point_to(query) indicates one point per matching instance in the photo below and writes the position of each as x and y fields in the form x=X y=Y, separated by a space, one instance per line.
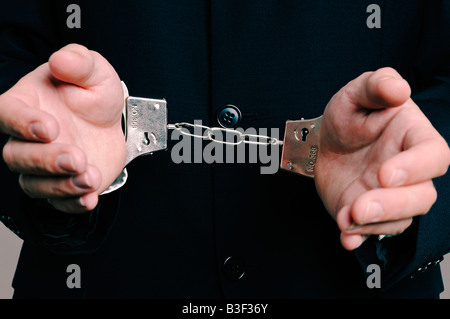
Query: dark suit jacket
x=169 y=230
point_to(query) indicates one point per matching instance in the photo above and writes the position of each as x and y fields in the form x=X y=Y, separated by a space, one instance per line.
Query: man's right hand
x=65 y=121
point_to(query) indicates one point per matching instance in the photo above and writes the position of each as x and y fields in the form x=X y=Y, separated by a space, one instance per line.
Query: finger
x=43 y=159
x=377 y=90
x=344 y=221
x=353 y=237
x=61 y=187
x=385 y=228
x=389 y=204
x=77 y=65
x=352 y=241
x=80 y=204
x=22 y=121
x=426 y=156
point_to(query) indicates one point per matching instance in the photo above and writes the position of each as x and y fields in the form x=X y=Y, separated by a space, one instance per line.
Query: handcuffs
x=146 y=131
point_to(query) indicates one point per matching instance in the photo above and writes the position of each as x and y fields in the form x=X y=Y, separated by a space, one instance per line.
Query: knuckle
x=37 y=160
x=349 y=92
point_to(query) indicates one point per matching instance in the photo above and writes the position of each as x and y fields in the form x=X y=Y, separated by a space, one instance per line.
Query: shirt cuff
x=118 y=183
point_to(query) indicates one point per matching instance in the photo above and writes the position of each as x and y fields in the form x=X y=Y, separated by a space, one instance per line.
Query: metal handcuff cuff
x=146 y=131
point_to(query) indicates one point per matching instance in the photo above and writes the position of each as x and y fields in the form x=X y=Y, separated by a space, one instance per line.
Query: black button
x=229 y=116
x=234 y=268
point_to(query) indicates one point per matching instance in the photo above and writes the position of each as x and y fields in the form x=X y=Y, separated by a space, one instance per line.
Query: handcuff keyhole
x=304 y=133
x=146 y=140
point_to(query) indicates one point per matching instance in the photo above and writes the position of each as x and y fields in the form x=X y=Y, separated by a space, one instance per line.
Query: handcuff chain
x=241 y=137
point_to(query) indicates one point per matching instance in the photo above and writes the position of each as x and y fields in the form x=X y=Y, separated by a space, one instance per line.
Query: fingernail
x=398 y=178
x=38 y=130
x=65 y=162
x=82 y=181
x=374 y=212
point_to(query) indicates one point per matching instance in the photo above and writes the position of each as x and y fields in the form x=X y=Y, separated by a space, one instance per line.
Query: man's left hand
x=377 y=157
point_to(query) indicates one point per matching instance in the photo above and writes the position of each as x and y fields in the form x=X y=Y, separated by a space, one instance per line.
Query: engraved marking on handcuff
x=312 y=158
x=134 y=116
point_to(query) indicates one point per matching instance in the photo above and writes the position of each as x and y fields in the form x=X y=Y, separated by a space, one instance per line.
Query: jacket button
x=234 y=268
x=229 y=116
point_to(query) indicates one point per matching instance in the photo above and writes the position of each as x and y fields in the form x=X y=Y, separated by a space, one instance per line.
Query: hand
x=377 y=156
x=65 y=122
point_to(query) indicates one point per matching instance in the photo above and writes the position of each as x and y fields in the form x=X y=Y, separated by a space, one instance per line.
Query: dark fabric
x=176 y=224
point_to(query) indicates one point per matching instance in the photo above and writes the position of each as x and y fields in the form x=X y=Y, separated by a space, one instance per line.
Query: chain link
x=241 y=137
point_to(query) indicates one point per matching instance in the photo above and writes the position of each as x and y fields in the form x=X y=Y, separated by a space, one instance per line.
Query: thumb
x=77 y=65
x=351 y=119
x=378 y=90
x=95 y=91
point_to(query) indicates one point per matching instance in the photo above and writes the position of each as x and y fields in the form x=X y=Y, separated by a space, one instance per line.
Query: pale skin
x=378 y=151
